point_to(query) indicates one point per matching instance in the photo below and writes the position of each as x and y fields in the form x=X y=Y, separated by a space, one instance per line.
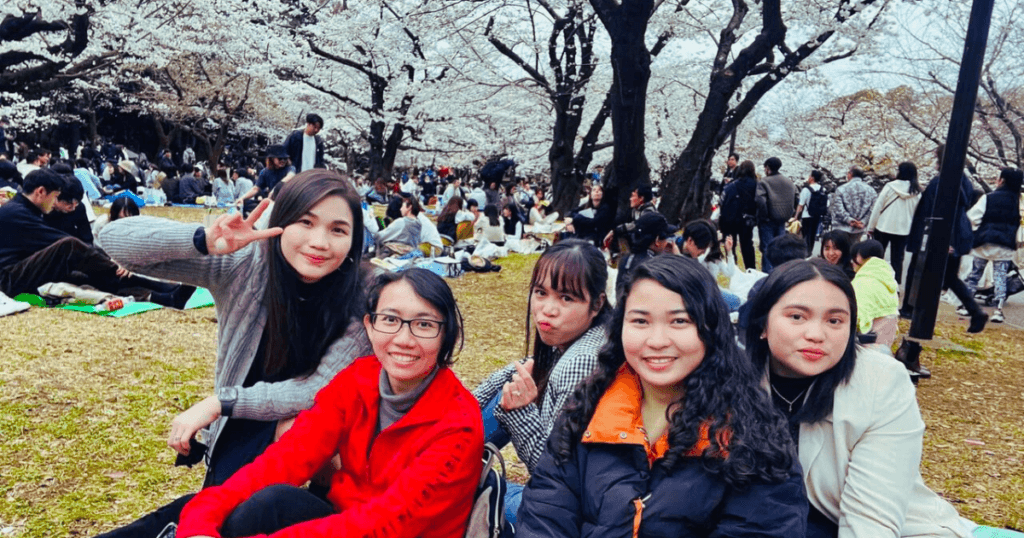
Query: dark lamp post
x=931 y=266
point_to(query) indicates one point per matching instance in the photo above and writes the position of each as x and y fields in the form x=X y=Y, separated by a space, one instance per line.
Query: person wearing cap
x=652 y=235
x=278 y=170
x=305 y=147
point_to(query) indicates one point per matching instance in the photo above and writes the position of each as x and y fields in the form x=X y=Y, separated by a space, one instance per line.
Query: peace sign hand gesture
x=230 y=233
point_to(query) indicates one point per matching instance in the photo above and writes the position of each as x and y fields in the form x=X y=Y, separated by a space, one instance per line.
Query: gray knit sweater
x=164 y=249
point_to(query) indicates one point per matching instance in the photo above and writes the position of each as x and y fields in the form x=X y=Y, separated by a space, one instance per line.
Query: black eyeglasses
x=420 y=328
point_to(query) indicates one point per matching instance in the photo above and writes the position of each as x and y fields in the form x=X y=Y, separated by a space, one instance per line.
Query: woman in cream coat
x=852 y=411
x=893 y=212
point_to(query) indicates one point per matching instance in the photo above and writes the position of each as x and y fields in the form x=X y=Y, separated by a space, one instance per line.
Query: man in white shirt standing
x=305 y=147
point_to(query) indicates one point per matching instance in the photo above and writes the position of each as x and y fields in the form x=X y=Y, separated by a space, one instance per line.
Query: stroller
x=1014 y=285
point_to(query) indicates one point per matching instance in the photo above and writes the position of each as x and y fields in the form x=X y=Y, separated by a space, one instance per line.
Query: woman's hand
x=521 y=391
x=230 y=233
x=185 y=425
x=728 y=244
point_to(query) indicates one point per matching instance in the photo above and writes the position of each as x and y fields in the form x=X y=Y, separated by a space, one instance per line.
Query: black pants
x=743 y=237
x=274 y=508
x=809 y=226
x=951 y=280
x=72 y=260
x=898 y=247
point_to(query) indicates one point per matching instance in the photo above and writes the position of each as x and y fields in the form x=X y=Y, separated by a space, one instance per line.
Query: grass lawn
x=86 y=403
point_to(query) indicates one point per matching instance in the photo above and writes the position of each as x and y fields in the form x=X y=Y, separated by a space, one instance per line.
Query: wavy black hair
x=293 y=349
x=575 y=267
x=749 y=438
x=785 y=277
x=434 y=290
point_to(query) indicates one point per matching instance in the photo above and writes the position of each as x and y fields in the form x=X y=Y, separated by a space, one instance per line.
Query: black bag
x=487 y=518
x=817 y=207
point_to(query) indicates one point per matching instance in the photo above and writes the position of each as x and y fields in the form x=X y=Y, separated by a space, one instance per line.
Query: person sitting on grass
x=567 y=309
x=403 y=234
x=119 y=209
x=405 y=436
x=69 y=214
x=878 y=300
x=852 y=411
x=34 y=253
x=289 y=305
x=671 y=435
x=835 y=249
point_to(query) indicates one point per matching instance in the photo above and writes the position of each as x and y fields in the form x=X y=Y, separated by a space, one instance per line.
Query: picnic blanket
x=200 y=299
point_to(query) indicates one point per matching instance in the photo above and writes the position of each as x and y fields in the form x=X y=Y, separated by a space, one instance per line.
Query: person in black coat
x=961 y=242
x=34 y=253
x=296 y=142
x=68 y=214
x=736 y=217
x=593 y=221
x=671 y=435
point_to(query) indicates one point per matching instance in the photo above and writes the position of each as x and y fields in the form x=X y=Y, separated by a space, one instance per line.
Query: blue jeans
x=731 y=299
x=495 y=434
x=766 y=233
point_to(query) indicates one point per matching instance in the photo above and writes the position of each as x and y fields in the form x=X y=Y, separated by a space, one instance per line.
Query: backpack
x=817 y=207
x=487 y=518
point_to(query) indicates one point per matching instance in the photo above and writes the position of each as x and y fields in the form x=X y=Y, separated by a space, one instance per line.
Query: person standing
x=812 y=206
x=775 y=197
x=305 y=147
x=893 y=212
x=961 y=241
x=995 y=219
x=851 y=205
x=737 y=216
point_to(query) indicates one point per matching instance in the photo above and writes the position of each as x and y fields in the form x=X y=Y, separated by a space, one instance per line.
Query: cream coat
x=898 y=205
x=862 y=464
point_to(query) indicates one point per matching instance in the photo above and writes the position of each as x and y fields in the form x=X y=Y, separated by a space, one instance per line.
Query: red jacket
x=417 y=478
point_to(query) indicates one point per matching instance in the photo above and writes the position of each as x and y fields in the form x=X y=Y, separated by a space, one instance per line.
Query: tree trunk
x=565 y=183
x=631 y=65
x=376 y=151
x=391 y=148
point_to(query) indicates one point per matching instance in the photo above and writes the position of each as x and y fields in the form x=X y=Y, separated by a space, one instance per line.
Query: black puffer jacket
x=595 y=495
x=1002 y=217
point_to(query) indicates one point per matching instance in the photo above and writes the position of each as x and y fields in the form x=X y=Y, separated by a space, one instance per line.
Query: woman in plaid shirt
x=568 y=309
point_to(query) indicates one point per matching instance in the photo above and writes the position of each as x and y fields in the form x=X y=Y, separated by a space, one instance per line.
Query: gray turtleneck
x=394 y=406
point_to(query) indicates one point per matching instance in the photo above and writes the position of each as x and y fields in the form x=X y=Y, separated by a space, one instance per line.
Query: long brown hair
x=293 y=349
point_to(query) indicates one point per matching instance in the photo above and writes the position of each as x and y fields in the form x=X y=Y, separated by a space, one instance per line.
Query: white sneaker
x=950 y=298
x=9 y=306
x=997 y=316
x=962 y=311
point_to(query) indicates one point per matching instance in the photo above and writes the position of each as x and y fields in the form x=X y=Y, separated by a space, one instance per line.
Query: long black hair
x=434 y=290
x=294 y=348
x=574 y=267
x=785 y=277
x=748 y=437
x=908 y=172
x=840 y=241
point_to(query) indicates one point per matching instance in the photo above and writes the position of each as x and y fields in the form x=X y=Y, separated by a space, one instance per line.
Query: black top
x=25 y=232
x=75 y=224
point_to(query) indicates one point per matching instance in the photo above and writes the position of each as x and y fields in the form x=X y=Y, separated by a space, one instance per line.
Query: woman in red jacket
x=407 y=433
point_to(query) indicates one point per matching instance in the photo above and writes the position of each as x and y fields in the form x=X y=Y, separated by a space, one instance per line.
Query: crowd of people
x=657 y=402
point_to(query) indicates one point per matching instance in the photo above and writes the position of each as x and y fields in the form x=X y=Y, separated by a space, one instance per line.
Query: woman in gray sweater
x=289 y=305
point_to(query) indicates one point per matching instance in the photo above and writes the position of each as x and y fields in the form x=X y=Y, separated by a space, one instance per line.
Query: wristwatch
x=227 y=396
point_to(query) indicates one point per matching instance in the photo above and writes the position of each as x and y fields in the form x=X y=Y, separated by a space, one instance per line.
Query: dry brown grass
x=86 y=402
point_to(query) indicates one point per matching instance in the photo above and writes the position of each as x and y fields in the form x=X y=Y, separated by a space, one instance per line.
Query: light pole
x=931 y=266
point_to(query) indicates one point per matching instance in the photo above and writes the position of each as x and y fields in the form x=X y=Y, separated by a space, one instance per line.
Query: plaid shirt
x=530 y=426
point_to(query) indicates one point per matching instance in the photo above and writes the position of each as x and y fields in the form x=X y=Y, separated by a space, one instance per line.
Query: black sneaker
x=977 y=323
x=906 y=313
